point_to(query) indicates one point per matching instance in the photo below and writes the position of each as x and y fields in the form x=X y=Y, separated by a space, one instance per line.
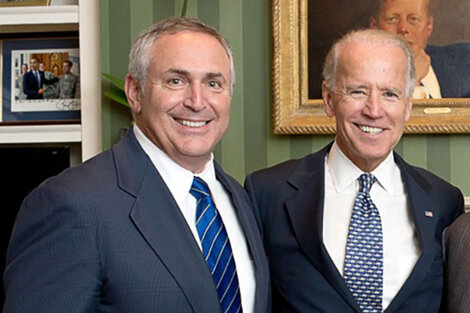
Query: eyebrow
x=186 y=73
x=178 y=71
x=396 y=90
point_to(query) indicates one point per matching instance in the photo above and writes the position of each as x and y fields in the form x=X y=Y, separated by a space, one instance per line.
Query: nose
x=373 y=108
x=195 y=98
x=402 y=27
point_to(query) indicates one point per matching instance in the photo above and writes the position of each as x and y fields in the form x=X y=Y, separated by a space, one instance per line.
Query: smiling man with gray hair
x=154 y=224
x=354 y=228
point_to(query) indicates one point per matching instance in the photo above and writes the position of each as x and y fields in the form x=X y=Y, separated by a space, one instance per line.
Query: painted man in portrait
x=442 y=71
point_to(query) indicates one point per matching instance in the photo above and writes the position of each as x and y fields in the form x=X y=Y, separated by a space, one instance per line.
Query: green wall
x=249 y=143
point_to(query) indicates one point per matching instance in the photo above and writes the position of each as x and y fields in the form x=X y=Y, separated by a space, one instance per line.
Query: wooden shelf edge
x=60 y=14
x=40 y=133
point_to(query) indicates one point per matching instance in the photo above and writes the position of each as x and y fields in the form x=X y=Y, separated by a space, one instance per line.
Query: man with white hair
x=353 y=228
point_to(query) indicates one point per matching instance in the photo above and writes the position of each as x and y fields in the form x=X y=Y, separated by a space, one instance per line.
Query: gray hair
x=369 y=37
x=139 y=56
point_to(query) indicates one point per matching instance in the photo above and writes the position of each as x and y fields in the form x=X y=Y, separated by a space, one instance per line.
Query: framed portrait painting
x=40 y=80
x=303 y=32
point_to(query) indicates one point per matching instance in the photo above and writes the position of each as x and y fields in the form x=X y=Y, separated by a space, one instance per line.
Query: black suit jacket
x=31 y=86
x=457 y=267
x=107 y=236
x=289 y=201
x=451 y=65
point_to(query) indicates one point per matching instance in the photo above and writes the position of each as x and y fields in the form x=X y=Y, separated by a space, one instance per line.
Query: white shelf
x=63 y=18
x=61 y=14
x=40 y=133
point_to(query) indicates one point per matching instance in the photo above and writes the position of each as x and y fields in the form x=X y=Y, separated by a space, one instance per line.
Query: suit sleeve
x=249 y=187
x=52 y=260
x=456 y=297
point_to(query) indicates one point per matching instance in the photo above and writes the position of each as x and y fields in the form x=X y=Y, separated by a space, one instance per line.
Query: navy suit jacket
x=452 y=67
x=289 y=201
x=107 y=236
x=31 y=87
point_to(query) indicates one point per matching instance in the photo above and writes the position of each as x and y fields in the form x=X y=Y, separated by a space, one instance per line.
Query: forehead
x=371 y=63
x=405 y=6
x=188 y=46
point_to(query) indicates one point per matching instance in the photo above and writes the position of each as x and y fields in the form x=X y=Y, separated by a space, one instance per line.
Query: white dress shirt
x=401 y=248
x=430 y=88
x=179 y=181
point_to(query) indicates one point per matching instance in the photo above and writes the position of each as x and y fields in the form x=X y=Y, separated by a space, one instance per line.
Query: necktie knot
x=199 y=188
x=366 y=181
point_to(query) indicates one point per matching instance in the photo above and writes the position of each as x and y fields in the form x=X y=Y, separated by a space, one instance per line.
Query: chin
x=196 y=150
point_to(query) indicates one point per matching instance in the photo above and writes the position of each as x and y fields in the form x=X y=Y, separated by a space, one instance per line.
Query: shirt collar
x=344 y=172
x=177 y=178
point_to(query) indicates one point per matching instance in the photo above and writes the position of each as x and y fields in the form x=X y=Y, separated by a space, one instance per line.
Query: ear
x=430 y=26
x=373 y=23
x=408 y=107
x=132 y=90
x=327 y=100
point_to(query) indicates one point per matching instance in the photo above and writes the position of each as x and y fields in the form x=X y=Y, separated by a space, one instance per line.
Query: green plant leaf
x=116 y=81
x=118 y=96
x=184 y=10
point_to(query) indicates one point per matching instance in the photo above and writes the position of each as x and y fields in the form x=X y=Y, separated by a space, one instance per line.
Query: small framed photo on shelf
x=17 y=3
x=41 y=81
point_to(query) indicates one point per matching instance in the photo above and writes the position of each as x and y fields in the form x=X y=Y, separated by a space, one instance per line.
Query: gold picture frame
x=295 y=113
x=22 y=3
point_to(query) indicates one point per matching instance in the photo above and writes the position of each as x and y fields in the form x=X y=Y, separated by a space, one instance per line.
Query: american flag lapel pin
x=428 y=213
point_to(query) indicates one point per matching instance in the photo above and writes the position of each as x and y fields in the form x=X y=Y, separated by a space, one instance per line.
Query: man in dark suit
x=353 y=227
x=34 y=81
x=442 y=71
x=154 y=224
x=451 y=64
x=457 y=267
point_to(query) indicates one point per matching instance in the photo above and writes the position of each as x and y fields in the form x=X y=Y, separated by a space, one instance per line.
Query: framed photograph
x=40 y=81
x=16 y=3
x=303 y=32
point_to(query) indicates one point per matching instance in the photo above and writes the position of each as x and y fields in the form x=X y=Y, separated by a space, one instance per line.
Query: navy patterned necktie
x=216 y=248
x=363 y=265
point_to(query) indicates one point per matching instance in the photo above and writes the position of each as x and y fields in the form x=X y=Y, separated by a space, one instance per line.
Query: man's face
x=65 y=68
x=185 y=108
x=41 y=67
x=33 y=64
x=407 y=18
x=369 y=102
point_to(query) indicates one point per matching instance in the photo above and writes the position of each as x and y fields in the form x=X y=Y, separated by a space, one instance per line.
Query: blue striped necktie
x=216 y=248
x=363 y=265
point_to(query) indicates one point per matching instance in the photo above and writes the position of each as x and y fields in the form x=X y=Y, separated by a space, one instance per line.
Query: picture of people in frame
x=45 y=80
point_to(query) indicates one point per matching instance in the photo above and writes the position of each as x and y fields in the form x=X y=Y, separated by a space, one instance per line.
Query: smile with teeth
x=370 y=129
x=192 y=124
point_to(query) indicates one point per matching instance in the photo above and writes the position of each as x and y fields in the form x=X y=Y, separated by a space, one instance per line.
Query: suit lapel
x=305 y=210
x=252 y=235
x=161 y=223
x=417 y=189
